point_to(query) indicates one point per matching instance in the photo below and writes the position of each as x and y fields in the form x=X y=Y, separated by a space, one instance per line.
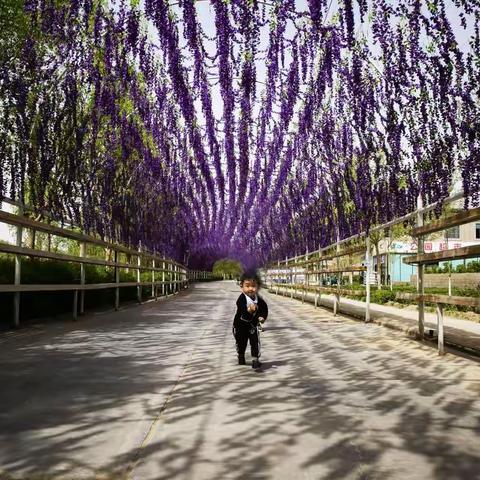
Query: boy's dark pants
x=244 y=331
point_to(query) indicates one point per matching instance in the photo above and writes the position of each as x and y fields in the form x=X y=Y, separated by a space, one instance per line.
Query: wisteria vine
x=267 y=131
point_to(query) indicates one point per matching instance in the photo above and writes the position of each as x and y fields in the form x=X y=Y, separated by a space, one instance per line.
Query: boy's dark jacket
x=243 y=316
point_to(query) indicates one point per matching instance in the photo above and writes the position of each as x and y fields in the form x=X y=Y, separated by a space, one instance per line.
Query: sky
x=6 y=231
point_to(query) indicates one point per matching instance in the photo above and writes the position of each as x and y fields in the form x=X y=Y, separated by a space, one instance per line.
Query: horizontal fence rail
x=166 y=276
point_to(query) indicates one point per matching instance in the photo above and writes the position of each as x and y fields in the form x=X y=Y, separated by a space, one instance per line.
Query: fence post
x=368 y=262
x=288 y=279
x=389 y=254
x=82 y=278
x=117 y=281
x=449 y=264
x=139 y=264
x=154 y=286
x=441 y=348
x=294 y=277
x=305 y=277
x=163 y=278
x=278 y=274
x=350 y=274
x=337 y=294
x=169 y=279
x=18 y=275
x=321 y=274
x=175 y=284
x=420 y=271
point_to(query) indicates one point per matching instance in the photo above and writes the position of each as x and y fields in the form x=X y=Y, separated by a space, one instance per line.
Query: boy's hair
x=250 y=275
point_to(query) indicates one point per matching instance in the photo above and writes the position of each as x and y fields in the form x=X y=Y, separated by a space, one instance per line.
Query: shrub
x=382 y=296
x=49 y=304
x=470 y=267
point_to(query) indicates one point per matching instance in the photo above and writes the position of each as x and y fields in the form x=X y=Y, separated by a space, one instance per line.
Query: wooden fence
x=166 y=276
x=422 y=259
x=201 y=275
x=283 y=274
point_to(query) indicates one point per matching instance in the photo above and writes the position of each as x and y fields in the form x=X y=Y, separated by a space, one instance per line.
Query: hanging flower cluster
x=275 y=129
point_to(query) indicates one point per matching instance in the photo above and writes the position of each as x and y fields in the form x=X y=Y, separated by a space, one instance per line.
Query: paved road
x=154 y=392
x=463 y=333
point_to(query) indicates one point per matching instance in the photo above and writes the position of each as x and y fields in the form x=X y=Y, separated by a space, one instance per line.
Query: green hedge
x=470 y=267
x=386 y=295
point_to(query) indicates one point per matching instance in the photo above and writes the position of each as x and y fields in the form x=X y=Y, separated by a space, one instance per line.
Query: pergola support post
x=441 y=347
x=368 y=263
x=18 y=275
x=117 y=281
x=420 y=272
x=83 y=252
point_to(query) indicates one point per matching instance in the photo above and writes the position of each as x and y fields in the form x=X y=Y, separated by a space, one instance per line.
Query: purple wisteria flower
x=263 y=134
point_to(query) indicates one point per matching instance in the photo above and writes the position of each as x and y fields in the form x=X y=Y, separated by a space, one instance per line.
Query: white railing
x=199 y=275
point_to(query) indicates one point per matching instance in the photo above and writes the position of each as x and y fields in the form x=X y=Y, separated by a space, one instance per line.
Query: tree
x=14 y=30
x=227 y=268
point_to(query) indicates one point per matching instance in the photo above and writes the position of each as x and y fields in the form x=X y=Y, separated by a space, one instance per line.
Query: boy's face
x=249 y=287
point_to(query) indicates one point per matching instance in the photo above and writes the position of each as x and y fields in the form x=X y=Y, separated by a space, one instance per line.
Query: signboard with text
x=428 y=246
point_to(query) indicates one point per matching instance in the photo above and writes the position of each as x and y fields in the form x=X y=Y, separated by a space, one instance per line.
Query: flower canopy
x=238 y=128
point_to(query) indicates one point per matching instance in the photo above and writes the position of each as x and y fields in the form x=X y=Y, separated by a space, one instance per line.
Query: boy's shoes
x=241 y=360
x=256 y=364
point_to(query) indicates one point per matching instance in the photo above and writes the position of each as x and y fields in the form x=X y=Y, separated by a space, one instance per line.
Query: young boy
x=252 y=310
